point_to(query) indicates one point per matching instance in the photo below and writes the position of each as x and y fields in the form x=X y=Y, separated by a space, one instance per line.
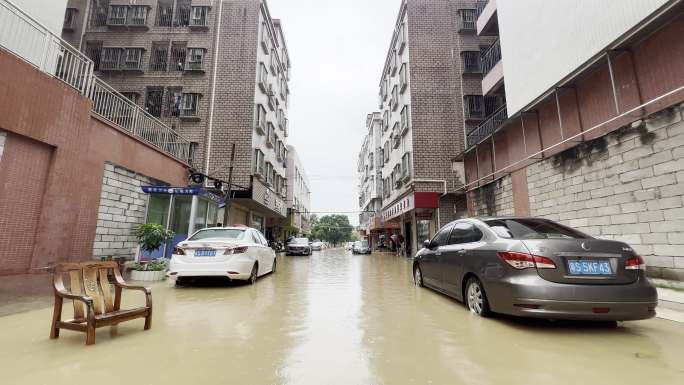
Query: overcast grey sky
x=337 y=49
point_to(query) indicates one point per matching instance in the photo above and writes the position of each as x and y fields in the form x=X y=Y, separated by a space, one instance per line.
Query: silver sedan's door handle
x=461 y=252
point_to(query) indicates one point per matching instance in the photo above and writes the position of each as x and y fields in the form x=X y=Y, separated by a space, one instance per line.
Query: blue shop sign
x=191 y=190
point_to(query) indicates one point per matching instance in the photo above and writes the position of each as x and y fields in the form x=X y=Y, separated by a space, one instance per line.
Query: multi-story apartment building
x=370 y=182
x=429 y=96
x=298 y=193
x=591 y=134
x=216 y=71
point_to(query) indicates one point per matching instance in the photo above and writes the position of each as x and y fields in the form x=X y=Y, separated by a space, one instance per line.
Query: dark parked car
x=298 y=246
x=535 y=268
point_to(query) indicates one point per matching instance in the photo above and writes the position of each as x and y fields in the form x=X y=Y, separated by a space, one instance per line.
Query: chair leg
x=56 y=317
x=148 y=320
x=90 y=332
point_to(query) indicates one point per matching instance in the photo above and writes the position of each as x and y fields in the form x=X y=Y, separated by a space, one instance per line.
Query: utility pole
x=229 y=192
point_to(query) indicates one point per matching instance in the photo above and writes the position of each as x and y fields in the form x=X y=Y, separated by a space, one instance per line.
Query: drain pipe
x=210 y=129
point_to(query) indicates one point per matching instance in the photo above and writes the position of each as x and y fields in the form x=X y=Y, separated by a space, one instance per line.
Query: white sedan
x=238 y=253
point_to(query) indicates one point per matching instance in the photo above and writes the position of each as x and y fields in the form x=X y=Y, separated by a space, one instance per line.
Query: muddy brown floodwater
x=334 y=318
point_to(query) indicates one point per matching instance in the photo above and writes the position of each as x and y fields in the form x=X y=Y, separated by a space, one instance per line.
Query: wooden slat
x=106 y=291
x=75 y=288
x=92 y=288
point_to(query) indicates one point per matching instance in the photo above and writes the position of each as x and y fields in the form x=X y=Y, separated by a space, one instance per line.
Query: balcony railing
x=491 y=57
x=488 y=127
x=471 y=62
x=479 y=7
x=468 y=20
x=33 y=42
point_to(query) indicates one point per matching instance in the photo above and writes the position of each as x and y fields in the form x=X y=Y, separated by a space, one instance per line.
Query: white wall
x=543 y=41
x=48 y=12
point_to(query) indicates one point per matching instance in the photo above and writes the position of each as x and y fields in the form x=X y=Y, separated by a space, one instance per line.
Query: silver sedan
x=535 y=268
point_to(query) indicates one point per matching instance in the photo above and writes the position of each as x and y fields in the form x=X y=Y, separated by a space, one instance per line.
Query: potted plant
x=151 y=236
x=154 y=270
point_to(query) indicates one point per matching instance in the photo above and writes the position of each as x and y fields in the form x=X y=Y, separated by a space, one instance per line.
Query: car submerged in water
x=361 y=247
x=237 y=253
x=298 y=246
x=534 y=267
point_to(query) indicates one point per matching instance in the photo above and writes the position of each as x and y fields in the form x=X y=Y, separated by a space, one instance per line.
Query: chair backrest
x=91 y=279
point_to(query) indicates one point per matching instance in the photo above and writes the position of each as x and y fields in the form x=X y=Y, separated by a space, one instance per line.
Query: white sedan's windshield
x=232 y=234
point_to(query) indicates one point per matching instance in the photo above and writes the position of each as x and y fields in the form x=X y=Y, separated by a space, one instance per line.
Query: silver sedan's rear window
x=533 y=228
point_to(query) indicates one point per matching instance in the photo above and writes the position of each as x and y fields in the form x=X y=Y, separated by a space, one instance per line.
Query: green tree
x=332 y=229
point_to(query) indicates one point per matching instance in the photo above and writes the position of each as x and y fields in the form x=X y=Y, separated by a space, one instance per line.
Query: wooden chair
x=90 y=284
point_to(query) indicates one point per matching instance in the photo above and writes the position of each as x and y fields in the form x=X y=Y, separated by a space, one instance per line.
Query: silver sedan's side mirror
x=426 y=244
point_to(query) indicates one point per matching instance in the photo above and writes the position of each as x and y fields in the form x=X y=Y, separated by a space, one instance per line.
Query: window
x=190 y=105
x=403 y=78
x=385 y=121
x=93 y=50
x=265 y=38
x=442 y=237
x=153 y=101
x=533 y=228
x=174 y=98
x=70 y=19
x=160 y=56
x=464 y=232
x=269 y=173
x=263 y=78
x=258 y=162
x=383 y=91
x=133 y=58
x=110 y=58
x=132 y=96
x=474 y=107
x=406 y=166
x=199 y=17
x=137 y=15
x=395 y=138
x=99 y=13
x=394 y=63
x=270 y=135
x=280 y=115
x=117 y=15
x=260 y=123
x=401 y=39
x=195 y=59
x=371 y=161
x=471 y=62
x=178 y=53
x=386 y=151
x=394 y=103
x=405 y=119
x=164 y=13
x=183 y=11
x=468 y=19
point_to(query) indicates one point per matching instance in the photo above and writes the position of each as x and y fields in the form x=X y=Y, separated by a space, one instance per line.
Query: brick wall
x=122 y=207
x=627 y=186
x=493 y=199
x=451 y=208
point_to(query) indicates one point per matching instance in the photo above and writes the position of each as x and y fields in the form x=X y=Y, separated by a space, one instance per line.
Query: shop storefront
x=182 y=210
x=416 y=215
x=260 y=208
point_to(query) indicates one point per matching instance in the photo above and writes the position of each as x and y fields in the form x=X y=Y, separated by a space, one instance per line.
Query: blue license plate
x=590 y=267
x=205 y=253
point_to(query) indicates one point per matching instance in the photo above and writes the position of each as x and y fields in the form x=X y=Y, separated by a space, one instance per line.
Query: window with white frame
x=406 y=166
x=109 y=60
x=265 y=38
x=394 y=103
x=270 y=134
x=401 y=38
x=268 y=170
x=405 y=119
x=403 y=78
x=199 y=16
x=258 y=162
x=263 y=78
x=260 y=123
x=137 y=15
x=133 y=58
x=386 y=151
x=117 y=14
x=190 y=104
x=195 y=59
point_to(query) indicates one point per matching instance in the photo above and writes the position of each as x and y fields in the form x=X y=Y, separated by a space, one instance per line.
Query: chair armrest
x=83 y=298
x=126 y=286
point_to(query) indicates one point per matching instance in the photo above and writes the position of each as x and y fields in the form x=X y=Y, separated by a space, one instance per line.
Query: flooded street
x=334 y=318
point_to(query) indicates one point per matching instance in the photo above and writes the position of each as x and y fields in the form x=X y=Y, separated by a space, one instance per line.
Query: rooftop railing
x=30 y=40
x=493 y=122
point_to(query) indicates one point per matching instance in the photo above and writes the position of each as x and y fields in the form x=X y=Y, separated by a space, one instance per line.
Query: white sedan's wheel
x=253 y=276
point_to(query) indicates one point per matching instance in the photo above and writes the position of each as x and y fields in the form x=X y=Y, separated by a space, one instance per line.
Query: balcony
x=488 y=127
x=473 y=107
x=69 y=20
x=492 y=68
x=487 y=20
